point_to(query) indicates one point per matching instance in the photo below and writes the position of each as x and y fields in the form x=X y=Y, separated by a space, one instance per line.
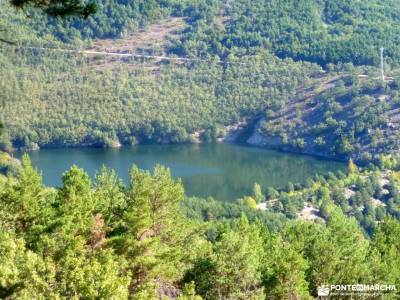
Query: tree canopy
x=101 y=239
x=58 y=8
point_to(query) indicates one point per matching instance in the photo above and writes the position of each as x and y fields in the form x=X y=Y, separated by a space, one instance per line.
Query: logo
x=323 y=290
x=355 y=289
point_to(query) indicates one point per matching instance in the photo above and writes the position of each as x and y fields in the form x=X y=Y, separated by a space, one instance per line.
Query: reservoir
x=223 y=171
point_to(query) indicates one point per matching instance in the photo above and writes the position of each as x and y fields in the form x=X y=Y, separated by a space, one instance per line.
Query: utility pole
x=382 y=65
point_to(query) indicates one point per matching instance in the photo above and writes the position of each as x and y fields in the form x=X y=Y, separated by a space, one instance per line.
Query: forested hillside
x=112 y=19
x=353 y=115
x=327 y=31
x=368 y=195
x=75 y=104
x=77 y=100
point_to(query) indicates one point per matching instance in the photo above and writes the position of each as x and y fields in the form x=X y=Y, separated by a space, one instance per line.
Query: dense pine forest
x=129 y=105
x=326 y=31
x=322 y=54
x=104 y=240
x=299 y=76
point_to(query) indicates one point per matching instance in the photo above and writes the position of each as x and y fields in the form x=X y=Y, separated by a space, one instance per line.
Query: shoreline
x=220 y=141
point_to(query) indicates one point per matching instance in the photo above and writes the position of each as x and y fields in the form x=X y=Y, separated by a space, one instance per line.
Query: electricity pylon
x=382 y=65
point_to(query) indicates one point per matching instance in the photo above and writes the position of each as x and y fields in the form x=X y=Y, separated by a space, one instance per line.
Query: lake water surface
x=223 y=171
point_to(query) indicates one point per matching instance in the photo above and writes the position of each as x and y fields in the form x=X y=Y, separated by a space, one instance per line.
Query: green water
x=223 y=171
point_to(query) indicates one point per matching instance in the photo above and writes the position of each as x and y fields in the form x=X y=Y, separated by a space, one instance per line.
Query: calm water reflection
x=223 y=171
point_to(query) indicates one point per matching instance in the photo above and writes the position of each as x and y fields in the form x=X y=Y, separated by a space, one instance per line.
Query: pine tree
x=352 y=168
x=284 y=271
x=109 y=196
x=385 y=248
x=75 y=202
x=155 y=230
x=338 y=253
x=250 y=202
x=233 y=269
x=23 y=274
x=26 y=205
x=257 y=193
